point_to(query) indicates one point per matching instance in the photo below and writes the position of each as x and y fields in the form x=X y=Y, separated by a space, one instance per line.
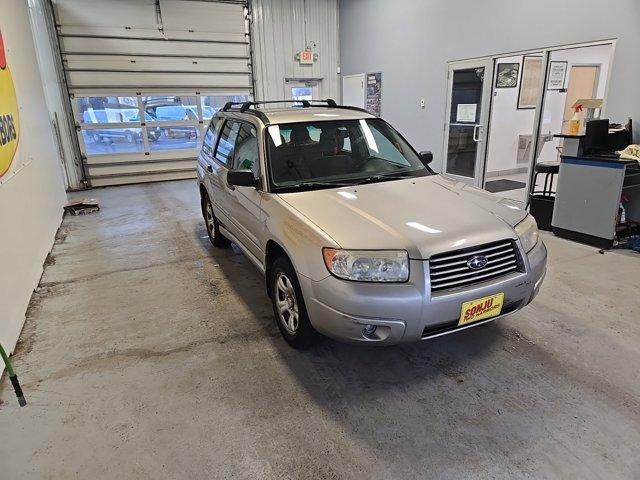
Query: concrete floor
x=147 y=353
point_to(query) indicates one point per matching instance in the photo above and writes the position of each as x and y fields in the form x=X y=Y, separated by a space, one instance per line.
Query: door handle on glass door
x=476 y=131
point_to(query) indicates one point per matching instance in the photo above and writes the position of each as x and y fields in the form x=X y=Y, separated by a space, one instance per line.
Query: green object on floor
x=13 y=377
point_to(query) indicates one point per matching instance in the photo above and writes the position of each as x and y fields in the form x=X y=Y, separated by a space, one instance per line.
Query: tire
x=288 y=305
x=97 y=138
x=130 y=137
x=213 y=227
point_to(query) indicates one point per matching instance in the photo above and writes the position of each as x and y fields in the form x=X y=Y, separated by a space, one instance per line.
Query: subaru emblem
x=477 y=262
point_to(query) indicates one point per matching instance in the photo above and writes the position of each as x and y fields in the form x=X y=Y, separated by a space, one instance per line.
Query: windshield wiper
x=311 y=185
x=383 y=177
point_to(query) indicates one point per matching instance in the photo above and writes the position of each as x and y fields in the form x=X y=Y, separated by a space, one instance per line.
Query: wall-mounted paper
x=466 y=112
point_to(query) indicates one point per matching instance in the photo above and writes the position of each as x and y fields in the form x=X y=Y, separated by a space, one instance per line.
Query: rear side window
x=246 y=156
x=228 y=136
x=209 y=140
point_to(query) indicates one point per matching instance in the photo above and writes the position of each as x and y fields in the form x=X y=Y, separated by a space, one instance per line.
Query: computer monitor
x=596 y=137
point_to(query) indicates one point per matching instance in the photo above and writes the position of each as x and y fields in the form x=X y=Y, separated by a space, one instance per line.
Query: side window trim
x=215 y=147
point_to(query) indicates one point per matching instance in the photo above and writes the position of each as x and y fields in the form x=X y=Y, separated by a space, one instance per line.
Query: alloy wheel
x=286 y=303
x=210 y=220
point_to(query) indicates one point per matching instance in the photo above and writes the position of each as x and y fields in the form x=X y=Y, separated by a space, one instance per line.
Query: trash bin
x=541 y=201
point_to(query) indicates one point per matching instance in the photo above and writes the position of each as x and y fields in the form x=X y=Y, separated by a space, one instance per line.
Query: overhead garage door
x=145 y=77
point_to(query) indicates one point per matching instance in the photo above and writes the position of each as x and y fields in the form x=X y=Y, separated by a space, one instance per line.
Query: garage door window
x=175 y=137
x=104 y=141
x=212 y=103
x=107 y=109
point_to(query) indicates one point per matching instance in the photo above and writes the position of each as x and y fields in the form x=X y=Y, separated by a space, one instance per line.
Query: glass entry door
x=468 y=105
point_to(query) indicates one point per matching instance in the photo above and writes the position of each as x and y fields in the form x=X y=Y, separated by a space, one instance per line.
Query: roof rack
x=245 y=107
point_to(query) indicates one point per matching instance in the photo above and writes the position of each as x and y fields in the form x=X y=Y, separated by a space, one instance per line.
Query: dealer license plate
x=481 y=309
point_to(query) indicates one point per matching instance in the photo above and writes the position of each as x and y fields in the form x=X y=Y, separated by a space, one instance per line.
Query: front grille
x=452 y=325
x=450 y=270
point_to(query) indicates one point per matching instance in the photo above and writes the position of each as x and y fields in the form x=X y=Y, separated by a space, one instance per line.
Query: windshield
x=338 y=153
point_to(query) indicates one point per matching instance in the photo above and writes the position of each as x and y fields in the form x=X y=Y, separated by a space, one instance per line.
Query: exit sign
x=306 y=57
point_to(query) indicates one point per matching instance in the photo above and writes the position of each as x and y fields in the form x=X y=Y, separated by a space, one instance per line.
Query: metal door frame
x=546 y=56
x=481 y=127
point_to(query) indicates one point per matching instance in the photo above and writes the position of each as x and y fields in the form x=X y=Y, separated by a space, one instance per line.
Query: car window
x=246 y=151
x=95 y=116
x=386 y=149
x=228 y=136
x=173 y=112
x=338 y=151
x=210 y=137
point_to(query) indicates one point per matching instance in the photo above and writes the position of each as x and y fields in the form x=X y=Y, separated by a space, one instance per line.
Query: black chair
x=541 y=202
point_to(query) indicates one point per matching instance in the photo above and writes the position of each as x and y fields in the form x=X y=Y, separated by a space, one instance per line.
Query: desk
x=588 y=196
x=573 y=145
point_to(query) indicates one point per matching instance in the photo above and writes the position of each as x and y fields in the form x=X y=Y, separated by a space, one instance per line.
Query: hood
x=423 y=215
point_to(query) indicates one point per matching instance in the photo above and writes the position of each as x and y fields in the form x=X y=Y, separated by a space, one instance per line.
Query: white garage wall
x=53 y=84
x=280 y=29
x=32 y=195
x=411 y=41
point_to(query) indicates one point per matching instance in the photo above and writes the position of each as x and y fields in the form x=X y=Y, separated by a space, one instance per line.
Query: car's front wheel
x=289 y=307
x=213 y=227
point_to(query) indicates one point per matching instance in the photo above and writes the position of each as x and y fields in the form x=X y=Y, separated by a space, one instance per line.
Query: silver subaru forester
x=357 y=237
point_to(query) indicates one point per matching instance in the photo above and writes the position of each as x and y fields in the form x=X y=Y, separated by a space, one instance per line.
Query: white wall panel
x=411 y=41
x=31 y=197
x=283 y=27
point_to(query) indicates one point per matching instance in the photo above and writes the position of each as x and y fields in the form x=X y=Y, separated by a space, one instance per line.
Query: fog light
x=369 y=330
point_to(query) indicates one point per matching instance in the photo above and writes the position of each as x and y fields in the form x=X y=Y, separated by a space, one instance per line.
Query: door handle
x=476 y=131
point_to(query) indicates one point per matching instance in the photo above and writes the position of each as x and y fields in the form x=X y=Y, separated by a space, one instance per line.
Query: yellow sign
x=480 y=309
x=9 y=115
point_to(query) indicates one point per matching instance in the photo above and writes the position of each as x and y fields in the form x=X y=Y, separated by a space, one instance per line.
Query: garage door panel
x=203 y=17
x=136 y=63
x=129 y=59
x=93 y=16
x=121 y=46
x=137 y=167
x=108 y=181
x=169 y=156
x=132 y=80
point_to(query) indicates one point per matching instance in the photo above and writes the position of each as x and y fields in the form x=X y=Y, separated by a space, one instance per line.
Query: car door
x=216 y=173
x=244 y=202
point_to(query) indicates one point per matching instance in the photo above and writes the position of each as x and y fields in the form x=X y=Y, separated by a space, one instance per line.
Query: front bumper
x=409 y=312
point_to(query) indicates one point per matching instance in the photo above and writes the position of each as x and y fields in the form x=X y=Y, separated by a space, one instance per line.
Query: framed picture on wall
x=507 y=75
x=557 y=74
x=530 y=82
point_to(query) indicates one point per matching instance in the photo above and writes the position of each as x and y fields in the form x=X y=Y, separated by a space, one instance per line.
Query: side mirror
x=426 y=157
x=241 y=178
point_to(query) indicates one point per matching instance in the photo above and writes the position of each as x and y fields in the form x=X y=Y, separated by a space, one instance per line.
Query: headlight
x=527 y=230
x=368 y=265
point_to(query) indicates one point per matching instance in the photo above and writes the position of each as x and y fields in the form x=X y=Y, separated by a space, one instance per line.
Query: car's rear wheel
x=213 y=227
x=289 y=307
x=97 y=138
x=130 y=137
